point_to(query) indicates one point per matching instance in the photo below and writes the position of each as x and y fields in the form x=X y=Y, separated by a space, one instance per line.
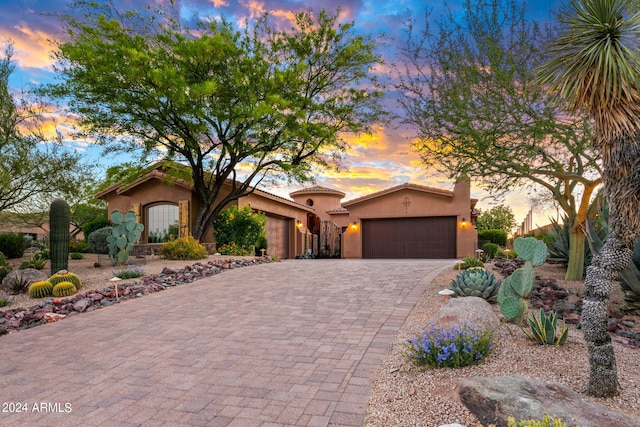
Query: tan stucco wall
x=408 y=203
x=283 y=209
x=322 y=202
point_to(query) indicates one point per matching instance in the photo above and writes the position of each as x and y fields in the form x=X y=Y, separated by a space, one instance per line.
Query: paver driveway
x=290 y=343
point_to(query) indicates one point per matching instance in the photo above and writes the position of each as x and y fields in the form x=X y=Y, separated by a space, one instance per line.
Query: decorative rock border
x=51 y=310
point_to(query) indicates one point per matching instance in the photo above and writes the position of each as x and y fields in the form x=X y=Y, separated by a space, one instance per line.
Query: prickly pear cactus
x=515 y=290
x=531 y=249
x=476 y=282
x=124 y=234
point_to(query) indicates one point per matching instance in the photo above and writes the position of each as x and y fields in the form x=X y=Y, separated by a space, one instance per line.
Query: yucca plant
x=543 y=329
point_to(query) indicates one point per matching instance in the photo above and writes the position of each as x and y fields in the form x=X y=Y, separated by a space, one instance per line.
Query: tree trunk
x=575 y=268
x=621 y=177
x=601 y=278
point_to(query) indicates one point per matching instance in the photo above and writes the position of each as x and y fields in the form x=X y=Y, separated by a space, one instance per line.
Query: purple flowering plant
x=453 y=347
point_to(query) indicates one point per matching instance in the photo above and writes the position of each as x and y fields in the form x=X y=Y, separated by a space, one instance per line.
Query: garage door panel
x=277 y=234
x=424 y=237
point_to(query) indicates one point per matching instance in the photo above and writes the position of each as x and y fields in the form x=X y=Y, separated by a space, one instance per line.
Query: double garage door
x=424 y=237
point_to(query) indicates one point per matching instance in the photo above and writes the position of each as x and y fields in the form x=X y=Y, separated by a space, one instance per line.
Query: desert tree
x=234 y=105
x=31 y=164
x=471 y=95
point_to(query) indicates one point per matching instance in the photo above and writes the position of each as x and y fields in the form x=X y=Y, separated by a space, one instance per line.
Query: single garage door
x=424 y=237
x=277 y=237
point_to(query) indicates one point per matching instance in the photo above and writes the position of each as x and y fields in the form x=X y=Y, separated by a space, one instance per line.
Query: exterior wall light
x=354 y=226
x=298 y=223
x=464 y=222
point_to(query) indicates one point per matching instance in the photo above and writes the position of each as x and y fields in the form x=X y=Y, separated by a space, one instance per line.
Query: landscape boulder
x=473 y=311
x=493 y=400
x=30 y=274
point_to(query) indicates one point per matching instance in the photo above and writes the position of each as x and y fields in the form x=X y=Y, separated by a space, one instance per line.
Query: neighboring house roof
x=318 y=189
x=405 y=186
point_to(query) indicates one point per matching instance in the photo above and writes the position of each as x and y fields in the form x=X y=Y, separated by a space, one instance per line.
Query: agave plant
x=543 y=329
x=476 y=282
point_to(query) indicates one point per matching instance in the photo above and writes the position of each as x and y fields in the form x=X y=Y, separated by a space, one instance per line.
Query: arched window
x=162 y=223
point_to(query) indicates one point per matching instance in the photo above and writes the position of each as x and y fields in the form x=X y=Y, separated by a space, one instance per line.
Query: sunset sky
x=375 y=162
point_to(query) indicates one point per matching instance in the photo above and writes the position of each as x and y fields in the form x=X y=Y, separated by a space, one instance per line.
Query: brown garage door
x=425 y=237
x=277 y=237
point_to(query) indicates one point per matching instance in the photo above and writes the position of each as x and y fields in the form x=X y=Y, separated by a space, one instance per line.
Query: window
x=309 y=202
x=162 y=223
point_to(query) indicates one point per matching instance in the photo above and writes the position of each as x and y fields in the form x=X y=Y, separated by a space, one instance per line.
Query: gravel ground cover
x=409 y=396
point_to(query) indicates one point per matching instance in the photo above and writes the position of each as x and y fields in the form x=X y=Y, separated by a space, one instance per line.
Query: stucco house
x=406 y=221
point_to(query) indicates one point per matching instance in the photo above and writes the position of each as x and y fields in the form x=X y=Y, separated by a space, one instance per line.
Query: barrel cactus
x=59 y=219
x=64 y=289
x=476 y=282
x=66 y=276
x=41 y=289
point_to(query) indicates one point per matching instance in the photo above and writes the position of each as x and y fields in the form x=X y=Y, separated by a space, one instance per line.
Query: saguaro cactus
x=125 y=232
x=59 y=219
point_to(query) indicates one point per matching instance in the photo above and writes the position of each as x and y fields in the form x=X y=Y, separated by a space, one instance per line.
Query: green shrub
x=130 y=272
x=499 y=237
x=36 y=261
x=5 y=299
x=12 y=245
x=242 y=227
x=97 y=240
x=43 y=253
x=4 y=270
x=545 y=422
x=233 y=249
x=76 y=255
x=183 y=248
x=80 y=246
x=452 y=348
x=490 y=250
x=471 y=261
x=94 y=225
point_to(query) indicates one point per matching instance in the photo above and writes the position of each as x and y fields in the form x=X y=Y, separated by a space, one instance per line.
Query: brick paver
x=290 y=343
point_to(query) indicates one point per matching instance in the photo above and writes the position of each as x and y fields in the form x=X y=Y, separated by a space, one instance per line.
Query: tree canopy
x=240 y=105
x=472 y=96
x=497 y=218
x=31 y=165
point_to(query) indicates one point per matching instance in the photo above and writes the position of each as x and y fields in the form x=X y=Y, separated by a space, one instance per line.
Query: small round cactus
x=41 y=289
x=64 y=289
x=66 y=276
